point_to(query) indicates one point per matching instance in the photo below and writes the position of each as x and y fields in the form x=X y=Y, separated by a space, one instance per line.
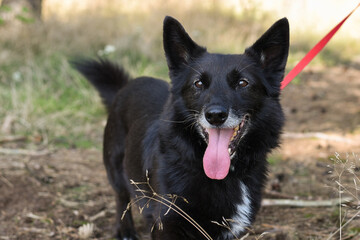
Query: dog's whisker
x=194 y=111
x=244 y=68
x=198 y=72
x=199 y=65
x=172 y=121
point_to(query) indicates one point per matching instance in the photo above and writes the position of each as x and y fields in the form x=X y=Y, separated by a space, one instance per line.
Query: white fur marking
x=242 y=216
x=262 y=57
x=231 y=122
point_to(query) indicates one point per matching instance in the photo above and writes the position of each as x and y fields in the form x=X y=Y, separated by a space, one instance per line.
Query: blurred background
x=52 y=182
x=40 y=93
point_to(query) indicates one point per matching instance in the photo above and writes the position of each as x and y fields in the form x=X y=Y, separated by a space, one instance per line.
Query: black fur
x=107 y=77
x=155 y=127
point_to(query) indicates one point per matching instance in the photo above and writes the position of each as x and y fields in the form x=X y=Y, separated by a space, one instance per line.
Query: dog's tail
x=108 y=78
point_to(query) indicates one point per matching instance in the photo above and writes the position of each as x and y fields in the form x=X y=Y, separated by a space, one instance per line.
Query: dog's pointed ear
x=272 y=49
x=179 y=47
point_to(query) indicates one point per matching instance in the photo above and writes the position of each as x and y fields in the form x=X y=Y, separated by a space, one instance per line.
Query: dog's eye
x=199 y=84
x=243 y=82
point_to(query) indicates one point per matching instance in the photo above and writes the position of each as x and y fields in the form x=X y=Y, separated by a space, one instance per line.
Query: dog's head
x=226 y=95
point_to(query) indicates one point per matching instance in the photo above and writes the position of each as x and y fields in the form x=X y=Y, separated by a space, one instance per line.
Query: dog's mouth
x=222 y=146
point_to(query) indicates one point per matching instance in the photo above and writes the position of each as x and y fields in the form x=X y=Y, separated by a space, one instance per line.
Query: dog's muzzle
x=223 y=132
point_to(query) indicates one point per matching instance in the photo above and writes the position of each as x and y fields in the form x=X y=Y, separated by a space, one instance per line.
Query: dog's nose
x=216 y=115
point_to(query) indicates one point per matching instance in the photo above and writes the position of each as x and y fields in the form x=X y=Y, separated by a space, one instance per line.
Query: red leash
x=313 y=52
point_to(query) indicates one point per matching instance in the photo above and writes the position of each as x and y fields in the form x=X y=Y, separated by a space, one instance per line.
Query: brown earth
x=51 y=196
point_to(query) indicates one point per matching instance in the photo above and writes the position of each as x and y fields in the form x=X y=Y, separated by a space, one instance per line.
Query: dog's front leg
x=167 y=234
x=175 y=232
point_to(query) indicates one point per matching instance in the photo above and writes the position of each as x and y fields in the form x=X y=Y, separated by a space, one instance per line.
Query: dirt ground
x=51 y=196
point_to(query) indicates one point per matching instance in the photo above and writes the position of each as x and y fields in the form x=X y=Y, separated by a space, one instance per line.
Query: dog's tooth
x=229 y=150
x=234 y=135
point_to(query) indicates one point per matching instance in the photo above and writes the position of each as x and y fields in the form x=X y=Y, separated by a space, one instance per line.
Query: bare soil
x=51 y=196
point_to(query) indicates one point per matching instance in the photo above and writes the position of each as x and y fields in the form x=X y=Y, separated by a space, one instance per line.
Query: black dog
x=204 y=138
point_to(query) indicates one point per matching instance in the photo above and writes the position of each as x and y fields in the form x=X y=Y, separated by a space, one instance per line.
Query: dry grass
x=346 y=183
x=146 y=195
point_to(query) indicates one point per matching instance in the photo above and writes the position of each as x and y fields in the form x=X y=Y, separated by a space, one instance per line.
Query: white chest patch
x=241 y=219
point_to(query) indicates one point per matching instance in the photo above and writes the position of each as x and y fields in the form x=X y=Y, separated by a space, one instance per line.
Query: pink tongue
x=216 y=159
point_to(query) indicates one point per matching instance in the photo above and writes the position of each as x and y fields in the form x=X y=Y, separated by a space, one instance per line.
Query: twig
x=273 y=194
x=67 y=203
x=98 y=215
x=34 y=230
x=6 y=237
x=317 y=135
x=10 y=151
x=37 y=217
x=305 y=203
x=6 y=126
x=7 y=182
x=12 y=139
